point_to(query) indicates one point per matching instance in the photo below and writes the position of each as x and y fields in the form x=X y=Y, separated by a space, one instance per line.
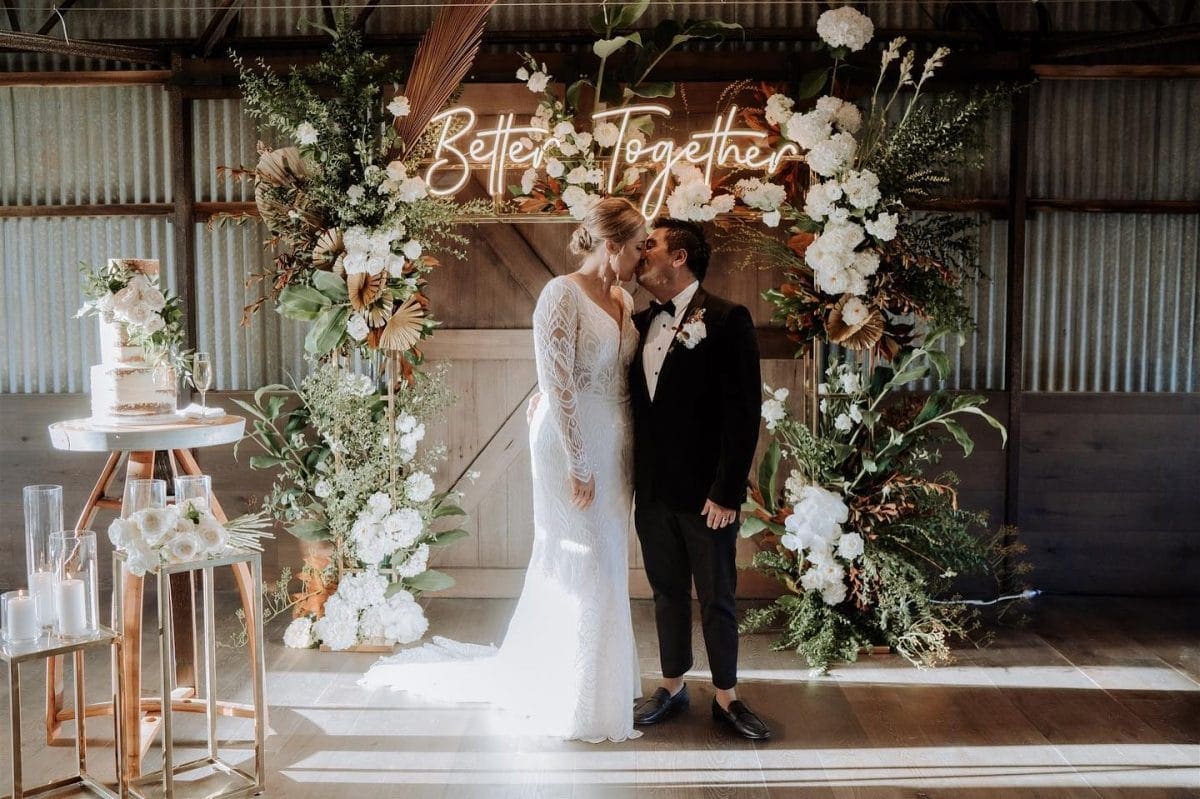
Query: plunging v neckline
x=620 y=323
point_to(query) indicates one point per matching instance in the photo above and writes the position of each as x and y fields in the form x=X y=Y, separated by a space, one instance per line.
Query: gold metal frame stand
x=48 y=649
x=162 y=783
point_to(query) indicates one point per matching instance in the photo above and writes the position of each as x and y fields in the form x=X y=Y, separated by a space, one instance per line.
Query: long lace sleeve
x=555 y=328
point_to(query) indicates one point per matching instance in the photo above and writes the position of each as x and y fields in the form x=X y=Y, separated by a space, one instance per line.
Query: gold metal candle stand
x=162 y=783
x=50 y=647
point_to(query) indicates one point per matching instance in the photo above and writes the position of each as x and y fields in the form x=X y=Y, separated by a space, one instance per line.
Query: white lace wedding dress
x=568 y=662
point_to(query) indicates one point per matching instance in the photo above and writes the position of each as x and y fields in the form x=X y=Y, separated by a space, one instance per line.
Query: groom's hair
x=687 y=236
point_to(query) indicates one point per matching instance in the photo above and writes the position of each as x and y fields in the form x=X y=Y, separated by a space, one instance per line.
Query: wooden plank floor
x=1094 y=698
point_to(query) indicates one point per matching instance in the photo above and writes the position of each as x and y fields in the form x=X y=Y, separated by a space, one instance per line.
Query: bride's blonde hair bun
x=612 y=219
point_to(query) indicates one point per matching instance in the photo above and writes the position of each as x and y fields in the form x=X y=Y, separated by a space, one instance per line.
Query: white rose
x=399 y=106
x=865 y=263
x=606 y=134
x=184 y=547
x=153 y=324
x=843 y=422
x=527 y=180
x=299 y=634
x=851 y=382
x=306 y=134
x=833 y=593
x=537 y=82
x=355 y=194
x=522 y=74
x=855 y=312
x=154 y=299
x=554 y=168
x=155 y=523
x=323 y=489
x=583 y=139
x=412 y=249
x=357 y=327
x=845 y=27
x=406 y=423
x=212 y=535
x=577 y=175
x=412 y=189
x=773 y=413
x=771 y=218
x=123 y=532
x=850 y=546
x=396 y=171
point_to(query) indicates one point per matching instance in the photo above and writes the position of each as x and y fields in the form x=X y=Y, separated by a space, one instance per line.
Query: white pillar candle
x=22 y=619
x=41 y=586
x=72 y=607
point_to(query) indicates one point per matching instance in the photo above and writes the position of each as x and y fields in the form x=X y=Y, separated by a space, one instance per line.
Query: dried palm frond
x=329 y=247
x=271 y=209
x=280 y=168
x=365 y=289
x=442 y=60
x=862 y=336
x=404 y=328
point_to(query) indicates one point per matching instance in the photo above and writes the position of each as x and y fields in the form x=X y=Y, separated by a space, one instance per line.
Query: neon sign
x=461 y=148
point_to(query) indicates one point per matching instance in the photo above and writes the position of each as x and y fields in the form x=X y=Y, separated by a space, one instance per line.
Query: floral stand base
x=373 y=645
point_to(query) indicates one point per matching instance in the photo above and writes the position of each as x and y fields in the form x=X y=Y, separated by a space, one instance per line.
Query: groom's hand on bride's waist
x=716 y=516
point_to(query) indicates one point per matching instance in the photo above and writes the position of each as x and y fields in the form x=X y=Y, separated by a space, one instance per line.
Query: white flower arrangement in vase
x=182 y=533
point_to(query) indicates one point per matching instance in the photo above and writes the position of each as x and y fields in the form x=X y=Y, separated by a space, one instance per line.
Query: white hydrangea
x=808 y=129
x=693 y=199
x=883 y=227
x=779 y=109
x=866 y=263
x=361 y=590
x=820 y=199
x=414 y=564
x=400 y=620
x=412 y=189
x=368 y=252
x=816 y=518
x=763 y=195
x=379 y=504
x=834 y=593
x=418 y=486
x=845 y=27
x=299 y=634
x=404 y=526
x=829 y=157
x=338 y=628
x=861 y=188
x=579 y=201
x=844 y=115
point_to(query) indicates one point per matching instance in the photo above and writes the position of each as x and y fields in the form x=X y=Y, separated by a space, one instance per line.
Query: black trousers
x=678 y=548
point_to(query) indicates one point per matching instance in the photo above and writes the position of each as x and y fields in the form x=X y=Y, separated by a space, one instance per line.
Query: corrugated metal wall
x=1112 y=299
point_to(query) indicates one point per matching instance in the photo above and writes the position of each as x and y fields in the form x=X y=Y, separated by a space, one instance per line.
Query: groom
x=695 y=390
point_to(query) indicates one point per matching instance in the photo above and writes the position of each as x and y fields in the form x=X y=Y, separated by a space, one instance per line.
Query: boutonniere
x=692 y=330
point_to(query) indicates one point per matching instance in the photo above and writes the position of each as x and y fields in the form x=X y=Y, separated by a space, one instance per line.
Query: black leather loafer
x=742 y=720
x=660 y=706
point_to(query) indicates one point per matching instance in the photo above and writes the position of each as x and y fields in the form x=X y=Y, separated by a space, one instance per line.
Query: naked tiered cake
x=127 y=389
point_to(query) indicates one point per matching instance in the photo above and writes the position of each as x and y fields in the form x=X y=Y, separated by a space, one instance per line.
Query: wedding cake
x=128 y=388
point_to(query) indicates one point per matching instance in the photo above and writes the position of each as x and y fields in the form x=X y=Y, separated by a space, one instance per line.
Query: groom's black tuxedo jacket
x=696 y=439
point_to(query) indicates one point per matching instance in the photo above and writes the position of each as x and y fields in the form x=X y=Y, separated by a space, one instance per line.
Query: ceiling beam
x=218 y=27
x=364 y=13
x=36 y=43
x=14 y=22
x=1107 y=43
x=62 y=8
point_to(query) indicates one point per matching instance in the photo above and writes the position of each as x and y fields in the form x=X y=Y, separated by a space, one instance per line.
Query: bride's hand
x=582 y=493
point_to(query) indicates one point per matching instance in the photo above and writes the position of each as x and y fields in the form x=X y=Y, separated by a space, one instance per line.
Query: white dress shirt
x=658 y=336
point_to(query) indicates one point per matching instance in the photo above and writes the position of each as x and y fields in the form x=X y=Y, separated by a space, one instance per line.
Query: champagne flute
x=202 y=377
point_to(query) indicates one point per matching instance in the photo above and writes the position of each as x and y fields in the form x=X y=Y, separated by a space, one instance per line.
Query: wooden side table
x=140 y=718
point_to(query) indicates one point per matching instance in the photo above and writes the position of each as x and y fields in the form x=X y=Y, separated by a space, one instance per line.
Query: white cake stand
x=140 y=717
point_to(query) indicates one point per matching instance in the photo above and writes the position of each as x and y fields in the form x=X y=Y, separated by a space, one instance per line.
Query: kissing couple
x=651 y=417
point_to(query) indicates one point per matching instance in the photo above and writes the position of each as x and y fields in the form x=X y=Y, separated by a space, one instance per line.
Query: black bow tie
x=667 y=307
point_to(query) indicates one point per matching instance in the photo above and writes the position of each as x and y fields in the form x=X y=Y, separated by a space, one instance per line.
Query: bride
x=568 y=661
